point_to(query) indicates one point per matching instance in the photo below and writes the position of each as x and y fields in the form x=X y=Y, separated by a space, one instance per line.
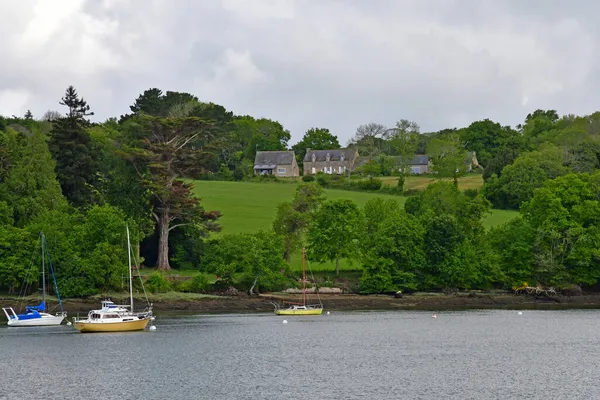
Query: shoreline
x=342 y=302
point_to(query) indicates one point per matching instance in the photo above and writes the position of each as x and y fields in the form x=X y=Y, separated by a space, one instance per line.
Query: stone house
x=420 y=164
x=278 y=163
x=338 y=161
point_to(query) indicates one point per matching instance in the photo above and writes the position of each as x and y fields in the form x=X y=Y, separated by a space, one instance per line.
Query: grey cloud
x=310 y=63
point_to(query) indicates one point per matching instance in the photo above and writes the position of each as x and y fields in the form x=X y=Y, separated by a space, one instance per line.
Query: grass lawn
x=248 y=206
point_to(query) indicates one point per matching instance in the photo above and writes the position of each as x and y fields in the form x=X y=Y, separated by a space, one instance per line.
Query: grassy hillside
x=248 y=207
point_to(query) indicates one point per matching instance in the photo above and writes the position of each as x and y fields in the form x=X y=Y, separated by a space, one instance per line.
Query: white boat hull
x=45 y=320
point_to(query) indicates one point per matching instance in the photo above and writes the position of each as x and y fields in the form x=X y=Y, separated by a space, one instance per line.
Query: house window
x=342 y=157
x=415 y=170
x=313 y=170
x=314 y=157
x=340 y=169
x=328 y=157
x=280 y=171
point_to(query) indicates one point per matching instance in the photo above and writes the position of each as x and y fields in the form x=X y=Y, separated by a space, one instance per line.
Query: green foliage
x=16 y=259
x=199 y=283
x=565 y=217
x=529 y=172
x=257 y=257
x=335 y=231
x=29 y=185
x=308 y=178
x=72 y=148
x=315 y=139
x=157 y=283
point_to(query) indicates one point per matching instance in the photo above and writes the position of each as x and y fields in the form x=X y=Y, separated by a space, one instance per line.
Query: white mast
x=43 y=272
x=129 y=262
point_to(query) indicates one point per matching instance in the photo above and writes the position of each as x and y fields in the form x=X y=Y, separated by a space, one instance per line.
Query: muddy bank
x=345 y=302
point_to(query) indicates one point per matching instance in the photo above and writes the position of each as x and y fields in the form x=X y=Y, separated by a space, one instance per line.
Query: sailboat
x=301 y=308
x=116 y=318
x=37 y=315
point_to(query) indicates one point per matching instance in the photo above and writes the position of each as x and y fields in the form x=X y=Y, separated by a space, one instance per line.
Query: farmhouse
x=338 y=161
x=279 y=163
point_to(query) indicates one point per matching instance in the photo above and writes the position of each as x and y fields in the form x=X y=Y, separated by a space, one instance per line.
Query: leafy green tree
x=335 y=232
x=30 y=184
x=403 y=140
x=513 y=243
x=448 y=157
x=565 y=214
x=259 y=135
x=158 y=149
x=315 y=139
x=529 y=171
x=71 y=147
x=256 y=256
x=16 y=268
x=392 y=249
x=486 y=138
x=293 y=218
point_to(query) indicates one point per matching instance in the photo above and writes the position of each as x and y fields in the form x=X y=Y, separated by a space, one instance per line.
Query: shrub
x=322 y=179
x=238 y=173
x=157 y=283
x=199 y=283
x=308 y=178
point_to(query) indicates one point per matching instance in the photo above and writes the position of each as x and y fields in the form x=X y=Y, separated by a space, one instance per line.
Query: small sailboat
x=116 y=318
x=301 y=308
x=37 y=315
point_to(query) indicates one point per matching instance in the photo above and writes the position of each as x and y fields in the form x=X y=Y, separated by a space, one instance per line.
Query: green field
x=248 y=207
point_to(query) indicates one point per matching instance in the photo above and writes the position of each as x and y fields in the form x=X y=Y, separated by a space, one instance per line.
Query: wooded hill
x=81 y=182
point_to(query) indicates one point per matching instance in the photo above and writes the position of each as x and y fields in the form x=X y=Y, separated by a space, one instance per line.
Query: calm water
x=368 y=355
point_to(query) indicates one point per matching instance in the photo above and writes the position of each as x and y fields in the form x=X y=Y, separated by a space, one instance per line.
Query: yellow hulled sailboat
x=301 y=308
x=116 y=318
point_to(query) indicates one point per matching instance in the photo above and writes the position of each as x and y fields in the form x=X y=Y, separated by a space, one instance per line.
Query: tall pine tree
x=72 y=148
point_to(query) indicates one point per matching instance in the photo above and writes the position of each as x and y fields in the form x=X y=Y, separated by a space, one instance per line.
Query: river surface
x=494 y=354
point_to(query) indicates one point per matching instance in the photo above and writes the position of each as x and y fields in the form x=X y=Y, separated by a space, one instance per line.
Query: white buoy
x=284 y=321
x=152 y=318
x=69 y=324
x=328 y=312
x=434 y=316
x=153 y=328
x=520 y=313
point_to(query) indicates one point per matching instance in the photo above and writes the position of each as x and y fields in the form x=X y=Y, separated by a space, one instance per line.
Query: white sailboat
x=37 y=315
x=116 y=318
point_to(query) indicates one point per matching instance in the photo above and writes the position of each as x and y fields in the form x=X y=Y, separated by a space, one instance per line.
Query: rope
x=313 y=279
x=54 y=278
x=136 y=265
x=26 y=283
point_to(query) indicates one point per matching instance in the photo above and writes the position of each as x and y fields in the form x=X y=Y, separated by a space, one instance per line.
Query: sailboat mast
x=129 y=263
x=43 y=270
x=303 y=277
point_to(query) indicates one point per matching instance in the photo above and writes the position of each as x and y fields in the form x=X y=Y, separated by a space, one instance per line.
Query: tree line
x=81 y=181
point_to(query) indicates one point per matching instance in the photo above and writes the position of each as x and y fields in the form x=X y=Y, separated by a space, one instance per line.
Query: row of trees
x=436 y=241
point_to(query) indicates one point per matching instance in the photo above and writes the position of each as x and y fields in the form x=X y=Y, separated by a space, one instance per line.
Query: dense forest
x=81 y=182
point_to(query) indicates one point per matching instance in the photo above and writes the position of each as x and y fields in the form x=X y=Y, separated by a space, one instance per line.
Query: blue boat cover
x=40 y=308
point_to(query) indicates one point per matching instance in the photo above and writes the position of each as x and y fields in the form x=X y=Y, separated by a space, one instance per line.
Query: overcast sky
x=326 y=63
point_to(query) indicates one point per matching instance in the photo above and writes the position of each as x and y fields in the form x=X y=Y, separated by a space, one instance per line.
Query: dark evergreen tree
x=72 y=148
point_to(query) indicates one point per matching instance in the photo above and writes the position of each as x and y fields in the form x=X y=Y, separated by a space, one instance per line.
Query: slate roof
x=274 y=158
x=336 y=155
x=420 y=159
